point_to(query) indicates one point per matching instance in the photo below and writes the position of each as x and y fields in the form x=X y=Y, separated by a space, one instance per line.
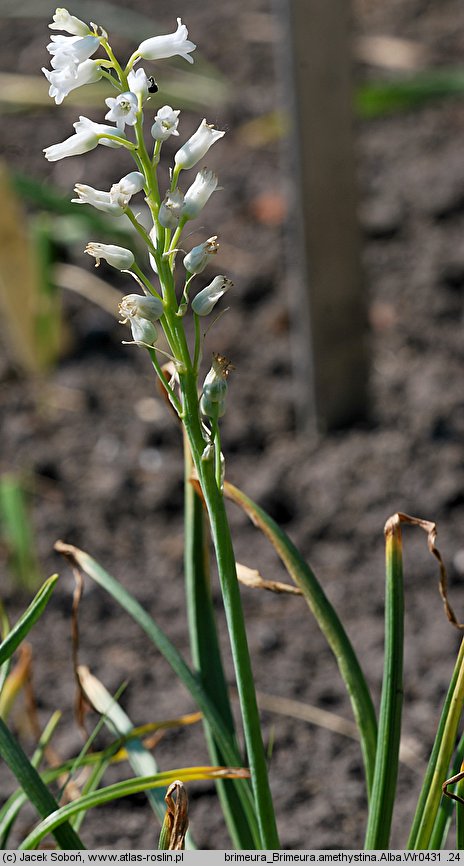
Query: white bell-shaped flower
x=170 y=45
x=69 y=51
x=118 y=257
x=166 y=123
x=76 y=144
x=206 y=300
x=87 y=136
x=198 y=194
x=195 y=148
x=62 y=20
x=129 y=185
x=99 y=129
x=123 y=109
x=98 y=198
x=62 y=81
x=116 y=200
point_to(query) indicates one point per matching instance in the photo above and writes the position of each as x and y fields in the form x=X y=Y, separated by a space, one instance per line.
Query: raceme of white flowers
x=75 y=62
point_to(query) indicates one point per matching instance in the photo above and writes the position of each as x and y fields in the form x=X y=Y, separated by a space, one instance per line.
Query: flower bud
x=166 y=123
x=160 y=47
x=204 y=302
x=198 y=194
x=142 y=306
x=195 y=148
x=141 y=312
x=138 y=83
x=171 y=209
x=213 y=396
x=196 y=260
x=129 y=185
x=117 y=257
x=143 y=331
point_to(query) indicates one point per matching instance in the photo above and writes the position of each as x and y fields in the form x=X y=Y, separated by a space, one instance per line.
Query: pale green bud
x=141 y=311
x=196 y=260
x=142 y=306
x=171 y=209
x=204 y=302
x=213 y=395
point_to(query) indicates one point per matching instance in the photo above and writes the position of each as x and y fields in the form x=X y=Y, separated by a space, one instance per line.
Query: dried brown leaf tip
x=252 y=578
x=392 y=528
x=176 y=821
x=453 y=781
x=221 y=365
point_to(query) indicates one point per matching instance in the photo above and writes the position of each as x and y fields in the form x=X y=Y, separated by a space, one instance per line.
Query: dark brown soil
x=104 y=456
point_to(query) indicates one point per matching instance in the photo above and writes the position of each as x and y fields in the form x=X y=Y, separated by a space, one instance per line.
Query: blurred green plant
x=410 y=92
x=16 y=532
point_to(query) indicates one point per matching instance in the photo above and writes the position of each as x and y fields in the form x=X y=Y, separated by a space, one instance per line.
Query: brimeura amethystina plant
x=166 y=296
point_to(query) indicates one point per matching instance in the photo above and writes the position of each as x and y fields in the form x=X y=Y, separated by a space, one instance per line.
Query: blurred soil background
x=101 y=455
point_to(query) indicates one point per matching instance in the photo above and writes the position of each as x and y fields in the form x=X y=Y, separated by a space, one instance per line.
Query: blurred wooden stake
x=330 y=311
x=18 y=279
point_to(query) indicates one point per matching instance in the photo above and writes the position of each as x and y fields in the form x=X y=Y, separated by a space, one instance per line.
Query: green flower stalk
x=166 y=299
